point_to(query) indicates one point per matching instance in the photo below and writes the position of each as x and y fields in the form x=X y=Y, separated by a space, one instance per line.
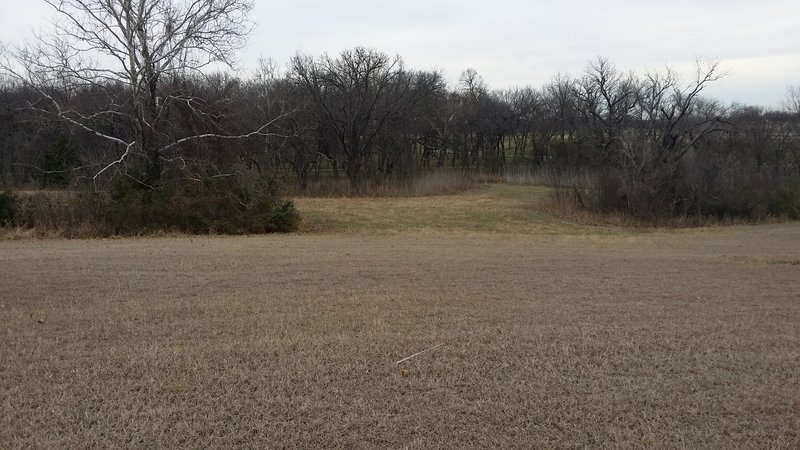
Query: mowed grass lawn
x=592 y=336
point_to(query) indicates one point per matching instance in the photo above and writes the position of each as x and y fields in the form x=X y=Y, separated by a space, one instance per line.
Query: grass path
x=483 y=208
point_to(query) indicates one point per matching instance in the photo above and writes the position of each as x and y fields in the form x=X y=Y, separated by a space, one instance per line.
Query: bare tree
x=483 y=120
x=605 y=99
x=298 y=149
x=793 y=107
x=356 y=97
x=673 y=120
x=131 y=52
x=793 y=100
x=526 y=109
x=560 y=102
x=674 y=116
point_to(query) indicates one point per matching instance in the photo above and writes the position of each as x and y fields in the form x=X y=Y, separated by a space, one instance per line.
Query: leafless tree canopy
x=793 y=100
x=360 y=98
x=133 y=54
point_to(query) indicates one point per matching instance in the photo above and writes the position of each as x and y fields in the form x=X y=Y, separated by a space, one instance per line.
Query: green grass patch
x=482 y=208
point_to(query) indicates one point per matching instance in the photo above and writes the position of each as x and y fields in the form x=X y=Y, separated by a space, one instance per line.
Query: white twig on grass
x=417 y=354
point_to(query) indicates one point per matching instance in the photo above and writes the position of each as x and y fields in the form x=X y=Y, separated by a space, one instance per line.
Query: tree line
x=147 y=118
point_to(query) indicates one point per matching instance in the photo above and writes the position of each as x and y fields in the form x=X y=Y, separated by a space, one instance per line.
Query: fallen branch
x=417 y=354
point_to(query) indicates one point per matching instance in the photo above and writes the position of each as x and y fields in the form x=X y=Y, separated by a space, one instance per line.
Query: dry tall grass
x=56 y=213
x=549 y=176
x=422 y=185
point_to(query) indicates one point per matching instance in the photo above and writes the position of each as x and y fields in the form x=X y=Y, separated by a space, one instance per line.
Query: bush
x=211 y=206
x=786 y=200
x=717 y=192
x=611 y=195
x=8 y=208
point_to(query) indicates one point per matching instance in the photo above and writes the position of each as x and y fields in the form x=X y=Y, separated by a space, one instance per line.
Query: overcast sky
x=516 y=42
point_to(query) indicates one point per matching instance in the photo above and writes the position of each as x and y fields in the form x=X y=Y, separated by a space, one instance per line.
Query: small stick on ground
x=419 y=353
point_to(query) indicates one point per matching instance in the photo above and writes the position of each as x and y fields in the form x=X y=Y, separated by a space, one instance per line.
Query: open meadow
x=547 y=333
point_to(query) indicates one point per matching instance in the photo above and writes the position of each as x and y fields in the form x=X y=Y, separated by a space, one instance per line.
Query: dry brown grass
x=549 y=176
x=422 y=185
x=54 y=214
x=684 y=339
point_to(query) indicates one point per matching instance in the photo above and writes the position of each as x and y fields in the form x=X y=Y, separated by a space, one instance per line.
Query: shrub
x=281 y=217
x=209 y=206
x=8 y=208
x=735 y=191
x=611 y=195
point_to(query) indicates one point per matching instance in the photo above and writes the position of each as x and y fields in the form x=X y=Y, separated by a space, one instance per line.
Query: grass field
x=552 y=333
x=484 y=208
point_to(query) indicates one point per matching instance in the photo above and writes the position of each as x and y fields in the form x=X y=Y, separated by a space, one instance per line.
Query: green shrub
x=210 y=206
x=8 y=208
x=785 y=200
x=281 y=217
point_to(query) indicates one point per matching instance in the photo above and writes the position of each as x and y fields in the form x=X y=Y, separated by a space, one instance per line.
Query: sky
x=525 y=43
